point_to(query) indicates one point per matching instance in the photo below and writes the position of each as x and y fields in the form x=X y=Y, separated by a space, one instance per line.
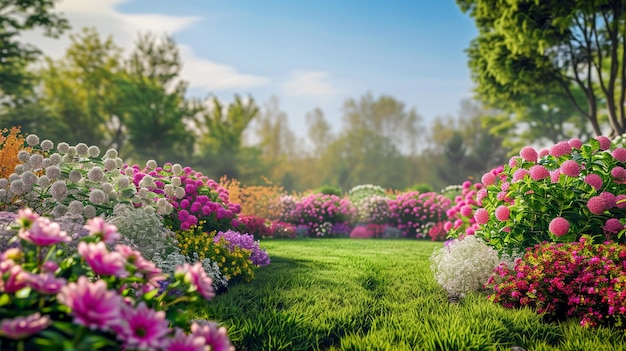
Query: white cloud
x=309 y=83
x=125 y=28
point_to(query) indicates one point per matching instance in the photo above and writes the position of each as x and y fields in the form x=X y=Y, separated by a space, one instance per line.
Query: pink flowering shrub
x=567 y=280
x=96 y=298
x=416 y=213
x=320 y=212
x=283 y=230
x=195 y=198
x=256 y=226
x=558 y=195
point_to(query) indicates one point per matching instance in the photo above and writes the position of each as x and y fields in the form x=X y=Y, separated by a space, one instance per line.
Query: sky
x=308 y=54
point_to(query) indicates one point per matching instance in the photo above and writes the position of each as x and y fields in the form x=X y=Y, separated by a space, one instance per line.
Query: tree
x=319 y=130
x=540 y=50
x=17 y=16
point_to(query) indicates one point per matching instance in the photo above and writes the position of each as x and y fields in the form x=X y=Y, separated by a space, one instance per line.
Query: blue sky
x=307 y=53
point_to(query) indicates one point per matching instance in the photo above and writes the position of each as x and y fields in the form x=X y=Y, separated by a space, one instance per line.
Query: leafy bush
x=580 y=279
x=364 y=191
x=329 y=190
x=416 y=213
x=11 y=143
x=235 y=240
x=464 y=265
x=283 y=230
x=318 y=211
x=256 y=226
x=94 y=298
x=556 y=195
x=422 y=188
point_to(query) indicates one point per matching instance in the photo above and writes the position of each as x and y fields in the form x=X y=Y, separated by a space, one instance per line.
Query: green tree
x=17 y=16
x=540 y=50
x=319 y=130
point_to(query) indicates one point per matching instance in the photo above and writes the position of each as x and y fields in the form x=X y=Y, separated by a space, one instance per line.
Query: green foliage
x=328 y=189
x=421 y=188
x=345 y=294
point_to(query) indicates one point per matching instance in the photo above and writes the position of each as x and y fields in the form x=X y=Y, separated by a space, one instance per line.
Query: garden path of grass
x=376 y=294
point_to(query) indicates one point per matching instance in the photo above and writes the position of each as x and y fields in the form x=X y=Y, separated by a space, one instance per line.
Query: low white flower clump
x=464 y=265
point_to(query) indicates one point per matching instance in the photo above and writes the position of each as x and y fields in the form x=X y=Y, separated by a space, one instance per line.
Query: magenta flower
x=609 y=199
x=570 y=168
x=538 y=172
x=466 y=211
x=575 y=143
x=596 y=205
x=488 y=179
x=197 y=278
x=481 y=216
x=559 y=226
x=44 y=232
x=555 y=175
x=544 y=153
x=502 y=213
x=618 y=173
x=142 y=328
x=213 y=335
x=102 y=261
x=20 y=328
x=605 y=143
x=519 y=175
x=529 y=154
x=594 y=180
x=184 y=342
x=99 y=227
x=12 y=276
x=513 y=161
x=619 y=154
x=26 y=217
x=91 y=304
x=613 y=226
x=46 y=283
x=560 y=149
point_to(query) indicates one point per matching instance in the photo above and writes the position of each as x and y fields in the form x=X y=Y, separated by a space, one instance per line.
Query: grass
x=348 y=294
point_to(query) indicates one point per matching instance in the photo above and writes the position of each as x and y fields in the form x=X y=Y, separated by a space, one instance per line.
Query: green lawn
x=376 y=294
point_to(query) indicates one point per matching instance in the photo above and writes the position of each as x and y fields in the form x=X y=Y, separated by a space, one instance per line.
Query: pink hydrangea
x=19 y=328
x=594 y=180
x=544 y=153
x=559 y=226
x=513 y=161
x=561 y=148
x=481 y=216
x=570 y=168
x=529 y=154
x=605 y=143
x=555 y=175
x=488 y=179
x=575 y=143
x=502 y=213
x=620 y=201
x=613 y=226
x=596 y=205
x=609 y=199
x=466 y=211
x=519 y=175
x=538 y=172
x=619 y=154
x=91 y=304
x=99 y=227
x=618 y=173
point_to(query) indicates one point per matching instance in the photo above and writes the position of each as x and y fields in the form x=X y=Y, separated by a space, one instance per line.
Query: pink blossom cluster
x=317 y=209
x=108 y=301
x=196 y=198
x=579 y=279
x=415 y=213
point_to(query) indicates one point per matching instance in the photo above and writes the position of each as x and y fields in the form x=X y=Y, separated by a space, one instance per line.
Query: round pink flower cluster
x=317 y=209
x=415 y=213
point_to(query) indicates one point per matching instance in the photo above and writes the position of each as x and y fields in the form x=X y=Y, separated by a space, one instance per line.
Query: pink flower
x=183 y=342
x=20 y=328
x=519 y=175
x=619 y=154
x=594 y=180
x=466 y=211
x=142 y=328
x=481 y=216
x=44 y=232
x=596 y=205
x=46 y=283
x=609 y=199
x=26 y=217
x=575 y=143
x=555 y=175
x=620 y=201
x=605 y=143
x=559 y=226
x=197 y=278
x=92 y=304
x=513 y=161
x=213 y=335
x=613 y=226
x=538 y=172
x=502 y=213
x=12 y=276
x=560 y=149
x=99 y=227
x=102 y=261
x=529 y=154
x=618 y=173
x=488 y=179
x=570 y=168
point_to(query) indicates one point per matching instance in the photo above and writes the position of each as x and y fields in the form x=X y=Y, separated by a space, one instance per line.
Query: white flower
x=76 y=207
x=43 y=181
x=36 y=160
x=19 y=169
x=71 y=151
x=96 y=174
x=129 y=172
x=109 y=164
x=32 y=140
x=63 y=147
x=82 y=149
x=3 y=195
x=47 y=145
x=17 y=187
x=123 y=182
x=111 y=153
x=179 y=193
x=169 y=190
x=59 y=210
x=13 y=176
x=89 y=211
x=107 y=188
x=97 y=196
x=147 y=182
x=46 y=163
x=58 y=190
x=23 y=156
x=4 y=183
x=176 y=181
x=151 y=165
x=119 y=162
x=177 y=169
x=53 y=172
x=75 y=176
x=55 y=159
x=29 y=178
x=93 y=151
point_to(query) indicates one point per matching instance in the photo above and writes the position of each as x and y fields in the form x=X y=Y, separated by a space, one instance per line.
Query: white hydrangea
x=111 y=153
x=23 y=156
x=58 y=190
x=95 y=174
x=151 y=165
x=53 y=172
x=109 y=164
x=93 y=151
x=32 y=140
x=464 y=265
x=75 y=176
x=47 y=145
x=82 y=149
x=63 y=147
x=36 y=160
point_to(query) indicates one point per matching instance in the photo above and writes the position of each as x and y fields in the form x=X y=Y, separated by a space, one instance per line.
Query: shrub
x=94 y=298
x=464 y=265
x=365 y=191
x=283 y=230
x=579 y=279
x=421 y=187
x=256 y=200
x=582 y=184
x=256 y=226
x=319 y=211
x=11 y=143
x=329 y=190
x=236 y=240
x=416 y=213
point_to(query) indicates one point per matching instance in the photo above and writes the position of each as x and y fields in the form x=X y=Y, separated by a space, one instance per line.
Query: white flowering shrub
x=464 y=265
x=143 y=230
